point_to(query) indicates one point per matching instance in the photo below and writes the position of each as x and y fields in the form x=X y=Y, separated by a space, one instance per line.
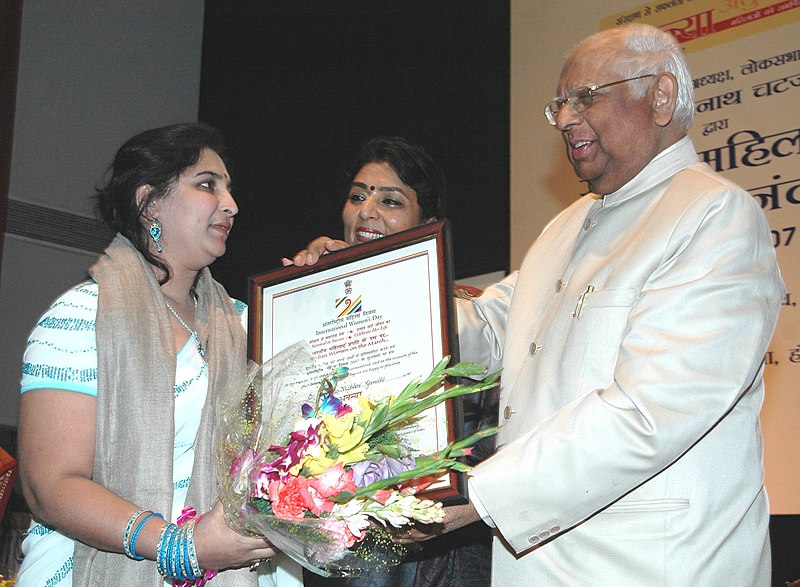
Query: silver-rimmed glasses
x=581 y=98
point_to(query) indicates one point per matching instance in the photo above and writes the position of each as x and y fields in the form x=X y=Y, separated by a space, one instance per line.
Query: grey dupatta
x=135 y=403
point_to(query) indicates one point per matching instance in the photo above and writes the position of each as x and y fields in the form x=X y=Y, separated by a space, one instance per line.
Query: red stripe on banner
x=702 y=24
x=755 y=15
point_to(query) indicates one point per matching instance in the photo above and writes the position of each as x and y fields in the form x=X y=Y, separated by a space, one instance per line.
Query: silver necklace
x=192 y=332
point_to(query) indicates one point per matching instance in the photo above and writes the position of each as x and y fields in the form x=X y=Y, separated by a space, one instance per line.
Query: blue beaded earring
x=155 y=233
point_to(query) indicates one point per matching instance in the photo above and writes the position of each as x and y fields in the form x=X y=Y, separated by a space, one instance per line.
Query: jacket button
x=559 y=285
x=534 y=348
x=555 y=529
x=587 y=224
x=544 y=534
x=533 y=539
x=507 y=413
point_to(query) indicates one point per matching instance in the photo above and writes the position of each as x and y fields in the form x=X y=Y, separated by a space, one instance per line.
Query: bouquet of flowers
x=327 y=483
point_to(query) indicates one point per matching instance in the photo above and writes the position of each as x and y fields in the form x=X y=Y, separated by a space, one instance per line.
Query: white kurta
x=632 y=343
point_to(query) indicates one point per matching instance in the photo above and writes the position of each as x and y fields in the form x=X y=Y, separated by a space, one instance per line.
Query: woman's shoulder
x=73 y=310
x=61 y=351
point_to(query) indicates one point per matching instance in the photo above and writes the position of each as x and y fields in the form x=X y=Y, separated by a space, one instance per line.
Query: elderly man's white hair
x=639 y=49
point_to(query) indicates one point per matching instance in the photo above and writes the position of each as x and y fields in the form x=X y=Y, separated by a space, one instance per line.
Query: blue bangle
x=135 y=535
x=162 y=549
x=192 y=553
x=175 y=556
x=174 y=552
x=170 y=552
x=185 y=567
x=159 y=545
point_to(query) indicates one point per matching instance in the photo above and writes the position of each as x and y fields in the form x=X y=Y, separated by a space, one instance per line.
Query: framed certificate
x=382 y=309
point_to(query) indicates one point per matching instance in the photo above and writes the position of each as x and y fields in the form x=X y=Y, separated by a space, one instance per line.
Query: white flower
x=396 y=519
x=351 y=513
x=398 y=510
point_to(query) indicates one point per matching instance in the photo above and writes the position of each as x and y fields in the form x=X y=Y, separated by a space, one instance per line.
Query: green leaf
x=473 y=438
x=460 y=467
x=470 y=370
x=343 y=496
x=395 y=451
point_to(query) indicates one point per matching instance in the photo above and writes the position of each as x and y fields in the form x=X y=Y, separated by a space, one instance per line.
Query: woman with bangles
x=119 y=378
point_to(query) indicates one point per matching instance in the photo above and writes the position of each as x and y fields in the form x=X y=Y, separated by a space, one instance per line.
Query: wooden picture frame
x=385 y=310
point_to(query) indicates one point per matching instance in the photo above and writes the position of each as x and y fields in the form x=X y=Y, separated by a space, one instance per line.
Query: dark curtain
x=297 y=85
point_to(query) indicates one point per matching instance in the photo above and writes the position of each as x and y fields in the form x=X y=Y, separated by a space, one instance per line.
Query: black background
x=297 y=86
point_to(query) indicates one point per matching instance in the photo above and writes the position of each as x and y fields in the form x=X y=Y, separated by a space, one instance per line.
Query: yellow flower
x=354 y=455
x=343 y=433
x=316 y=466
x=365 y=414
x=342 y=442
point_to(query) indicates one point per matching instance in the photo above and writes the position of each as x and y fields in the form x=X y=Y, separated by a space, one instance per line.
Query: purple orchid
x=330 y=406
x=289 y=455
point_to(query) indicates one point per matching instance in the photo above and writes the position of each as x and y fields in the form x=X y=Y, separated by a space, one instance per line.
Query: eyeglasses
x=581 y=98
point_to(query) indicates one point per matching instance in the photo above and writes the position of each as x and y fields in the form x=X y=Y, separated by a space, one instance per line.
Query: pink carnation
x=287 y=497
x=341 y=530
x=332 y=482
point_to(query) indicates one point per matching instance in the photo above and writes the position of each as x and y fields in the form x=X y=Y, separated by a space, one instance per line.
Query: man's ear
x=665 y=98
x=142 y=193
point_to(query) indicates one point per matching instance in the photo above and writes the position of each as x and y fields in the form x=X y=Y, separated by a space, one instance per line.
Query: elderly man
x=632 y=343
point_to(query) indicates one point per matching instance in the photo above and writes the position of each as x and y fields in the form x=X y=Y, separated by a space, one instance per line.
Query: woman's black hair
x=413 y=166
x=155 y=158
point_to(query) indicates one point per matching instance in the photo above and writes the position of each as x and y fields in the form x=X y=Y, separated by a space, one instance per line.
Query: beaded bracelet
x=163 y=560
x=127 y=532
x=175 y=556
x=131 y=551
x=193 y=562
x=185 y=565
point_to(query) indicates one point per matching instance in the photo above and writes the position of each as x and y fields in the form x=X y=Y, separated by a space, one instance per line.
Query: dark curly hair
x=413 y=166
x=155 y=158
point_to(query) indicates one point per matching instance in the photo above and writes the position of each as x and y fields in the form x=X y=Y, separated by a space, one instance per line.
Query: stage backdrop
x=745 y=59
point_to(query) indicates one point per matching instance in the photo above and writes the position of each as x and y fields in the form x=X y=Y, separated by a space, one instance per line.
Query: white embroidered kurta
x=632 y=343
